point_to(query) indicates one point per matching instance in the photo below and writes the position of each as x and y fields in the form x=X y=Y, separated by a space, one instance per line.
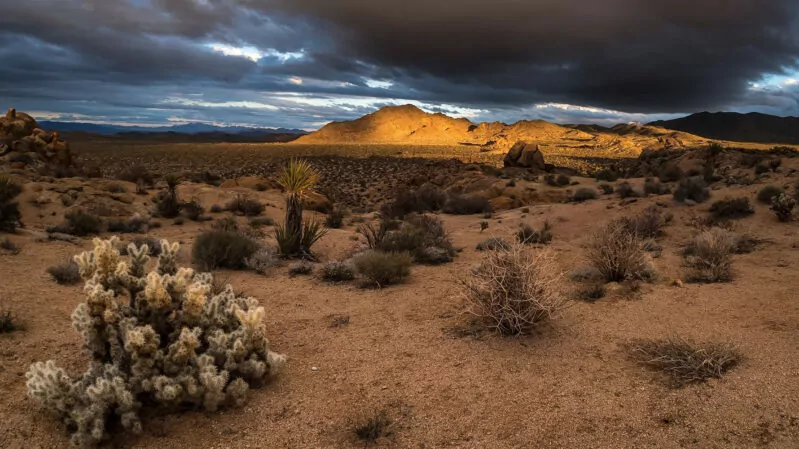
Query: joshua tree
x=295 y=237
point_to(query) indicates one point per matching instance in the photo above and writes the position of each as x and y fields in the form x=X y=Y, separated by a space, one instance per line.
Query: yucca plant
x=294 y=237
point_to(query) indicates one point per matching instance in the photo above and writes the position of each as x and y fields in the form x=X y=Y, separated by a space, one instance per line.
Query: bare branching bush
x=684 y=361
x=618 y=254
x=513 y=291
x=374 y=428
x=708 y=257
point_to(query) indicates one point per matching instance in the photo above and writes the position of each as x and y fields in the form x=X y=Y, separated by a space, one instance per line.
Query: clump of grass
x=8 y=321
x=513 y=291
x=618 y=254
x=694 y=189
x=493 y=244
x=300 y=268
x=222 y=249
x=583 y=194
x=259 y=222
x=264 y=258
x=767 y=193
x=530 y=236
x=593 y=292
x=380 y=269
x=685 y=361
x=708 y=258
x=65 y=273
x=8 y=246
x=374 y=428
x=336 y=271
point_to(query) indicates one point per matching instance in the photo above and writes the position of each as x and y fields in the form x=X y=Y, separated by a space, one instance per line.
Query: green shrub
x=607 y=175
x=783 y=206
x=694 y=189
x=241 y=205
x=584 y=194
x=334 y=219
x=729 y=209
x=625 y=190
x=530 y=236
x=427 y=198
x=380 y=269
x=768 y=193
x=79 y=223
x=670 y=173
x=606 y=189
x=422 y=236
x=134 y=225
x=222 y=249
x=335 y=271
x=65 y=273
x=10 y=217
x=467 y=205
x=654 y=187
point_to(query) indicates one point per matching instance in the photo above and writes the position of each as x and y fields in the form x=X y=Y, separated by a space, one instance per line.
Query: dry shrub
x=584 y=194
x=337 y=271
x=380 y=269
x=7 y=246
x=683 y=360
x=241 y=205
x=8 y=321
x=79 y=223
x=301 y=268
x=693 y=189
x=493 y=244
x=618 y=254
x=427 y=198
x=648 y=223
x=514 y=290
x=422 y=236
x=530 y=236
x=262 y=260
x=626 y=190
x=65 y=273
x=768 y=193
x=467 y=205
x=708 y=257
x=783 y=205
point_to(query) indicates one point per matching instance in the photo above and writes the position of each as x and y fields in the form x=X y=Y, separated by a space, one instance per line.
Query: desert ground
x=410 y=352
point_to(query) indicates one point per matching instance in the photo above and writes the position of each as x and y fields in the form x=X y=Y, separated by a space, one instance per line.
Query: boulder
x=525 y=154
x=24 y=145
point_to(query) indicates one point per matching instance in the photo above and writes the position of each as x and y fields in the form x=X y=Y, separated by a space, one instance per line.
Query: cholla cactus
x=156 y=337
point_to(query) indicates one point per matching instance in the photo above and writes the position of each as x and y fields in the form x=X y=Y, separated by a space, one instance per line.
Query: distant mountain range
x=188 y=128
x=751 y=127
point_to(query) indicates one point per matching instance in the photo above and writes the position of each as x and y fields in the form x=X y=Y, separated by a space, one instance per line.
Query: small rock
x=313 y=368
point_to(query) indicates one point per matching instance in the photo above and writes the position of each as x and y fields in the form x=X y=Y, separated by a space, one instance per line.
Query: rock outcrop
x=526 y=155
x=23 y=145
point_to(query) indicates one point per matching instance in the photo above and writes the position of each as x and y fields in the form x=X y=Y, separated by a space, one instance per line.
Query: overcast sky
x=303 y=63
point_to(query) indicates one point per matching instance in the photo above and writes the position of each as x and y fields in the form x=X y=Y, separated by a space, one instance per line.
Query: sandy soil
x=568 y=386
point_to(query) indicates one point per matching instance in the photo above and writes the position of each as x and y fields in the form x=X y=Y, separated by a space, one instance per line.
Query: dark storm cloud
x=149 y=60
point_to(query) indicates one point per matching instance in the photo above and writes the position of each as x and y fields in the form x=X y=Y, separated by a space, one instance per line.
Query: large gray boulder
x=526 y=155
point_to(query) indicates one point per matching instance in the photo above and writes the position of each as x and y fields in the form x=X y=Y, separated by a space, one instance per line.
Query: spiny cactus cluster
x=157 y=338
